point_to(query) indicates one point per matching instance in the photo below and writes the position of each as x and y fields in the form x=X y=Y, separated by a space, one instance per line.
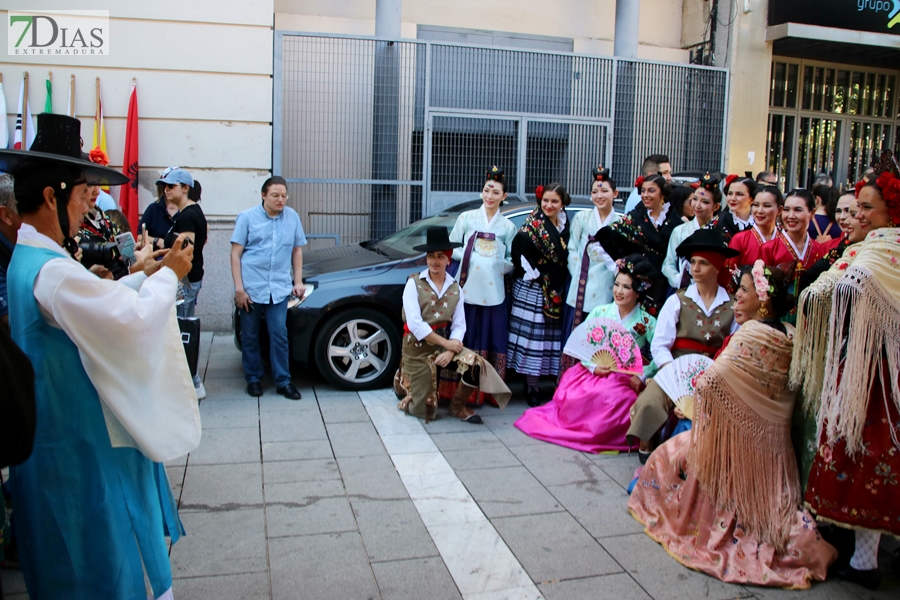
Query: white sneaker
x=201 y=391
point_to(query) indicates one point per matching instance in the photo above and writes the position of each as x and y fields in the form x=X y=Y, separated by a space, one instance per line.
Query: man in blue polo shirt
x=267 y=267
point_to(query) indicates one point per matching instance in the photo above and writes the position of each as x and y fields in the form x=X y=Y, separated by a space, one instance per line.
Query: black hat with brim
x=58 y=143
x=706 y=240
x=437 y=239
x=617 y=245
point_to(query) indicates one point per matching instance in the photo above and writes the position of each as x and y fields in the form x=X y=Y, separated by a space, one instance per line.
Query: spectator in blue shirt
x=9 y=227
x=267 y=268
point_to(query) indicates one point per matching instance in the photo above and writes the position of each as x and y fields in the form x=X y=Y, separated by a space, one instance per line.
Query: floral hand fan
x=607 y=344
x=678 y=380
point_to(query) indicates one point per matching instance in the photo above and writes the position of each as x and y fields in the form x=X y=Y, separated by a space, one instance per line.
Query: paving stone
x=307 y=507
x=246 y=586
x=321 y=566
x=272 y=402
x=354 y=439
x=408 y=579
x=619 y=468
x=225 y=446
x=661 y=576
x=468 y=440
x=305 y=450
x=826 y=590
x=620 y=586
x=556 y=465
x=221 y=543
x=371 y=478
x=447 y=424
x=392 y=530
x=343 y=409
x=176 y=479
x=297 y=426
x=222 y=487
x=217 y=412
x=511 y=437
x=554 y=546
x=508 y=491
x=481 y=458
x=601 y=508
x=300 y=470
x=13 y=583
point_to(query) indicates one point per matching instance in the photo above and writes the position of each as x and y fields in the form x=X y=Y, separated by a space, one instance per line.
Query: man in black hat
x=695 y=320
x=114 y=393
x=434 y=323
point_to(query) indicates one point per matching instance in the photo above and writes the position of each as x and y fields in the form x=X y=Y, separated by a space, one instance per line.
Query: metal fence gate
x=373 y=134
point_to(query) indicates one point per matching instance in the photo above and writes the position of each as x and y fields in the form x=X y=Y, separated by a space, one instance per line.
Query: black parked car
x=349 y=325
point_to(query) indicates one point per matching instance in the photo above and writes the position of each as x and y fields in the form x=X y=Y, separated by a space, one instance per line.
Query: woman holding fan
x=589 y=411
x=484 y=258
x=540 y=257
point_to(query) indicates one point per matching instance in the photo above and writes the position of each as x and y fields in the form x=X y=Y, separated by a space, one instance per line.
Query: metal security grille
x=373 y=134
x=827 y=118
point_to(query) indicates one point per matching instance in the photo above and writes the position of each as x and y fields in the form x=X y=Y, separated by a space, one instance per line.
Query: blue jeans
x=185 y=310
x=276 y=320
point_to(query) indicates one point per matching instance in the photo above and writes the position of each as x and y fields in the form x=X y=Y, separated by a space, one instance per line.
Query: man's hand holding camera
x=178 y=258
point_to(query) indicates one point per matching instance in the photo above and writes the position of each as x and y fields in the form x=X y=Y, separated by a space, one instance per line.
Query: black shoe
x=643 y=456
x=254 y=389
x=870 y=579
x=534 y=398
x=289 y=392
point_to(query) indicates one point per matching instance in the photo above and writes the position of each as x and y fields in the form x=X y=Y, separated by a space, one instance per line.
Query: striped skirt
x=535 y=342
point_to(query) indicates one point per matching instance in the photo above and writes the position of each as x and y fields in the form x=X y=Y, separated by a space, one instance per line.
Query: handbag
x=190 y=337
x=18 y=412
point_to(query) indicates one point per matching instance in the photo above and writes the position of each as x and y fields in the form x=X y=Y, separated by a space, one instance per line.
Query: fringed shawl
x=811 y=339
x=864 y=335
x=741 y=452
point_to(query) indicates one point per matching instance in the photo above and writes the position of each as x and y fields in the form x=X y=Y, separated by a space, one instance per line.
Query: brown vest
x=435 y=310
x=694 y=325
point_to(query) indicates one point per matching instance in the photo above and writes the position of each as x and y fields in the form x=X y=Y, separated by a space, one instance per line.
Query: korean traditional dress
x=749 y=243
x=590 y=413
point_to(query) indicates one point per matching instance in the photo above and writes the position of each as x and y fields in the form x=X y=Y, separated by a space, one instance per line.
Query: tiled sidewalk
x=341 y=496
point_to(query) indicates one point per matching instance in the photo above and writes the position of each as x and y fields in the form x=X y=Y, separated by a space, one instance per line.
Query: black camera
x=105 y=254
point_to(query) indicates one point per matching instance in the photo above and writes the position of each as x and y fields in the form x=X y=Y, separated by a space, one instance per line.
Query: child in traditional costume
x=485 y=257
x=724 y=498
x=589 y=411
x=540 y=259
x=853 y=482
x=692 y=321
x=434 y=326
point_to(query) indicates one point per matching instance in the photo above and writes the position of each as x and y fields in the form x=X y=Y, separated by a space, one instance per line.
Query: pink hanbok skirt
x=588 y=413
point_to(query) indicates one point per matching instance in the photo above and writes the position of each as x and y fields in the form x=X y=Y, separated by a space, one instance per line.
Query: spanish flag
x=99 y=127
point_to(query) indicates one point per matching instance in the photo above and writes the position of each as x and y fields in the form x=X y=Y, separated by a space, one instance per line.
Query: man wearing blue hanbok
x=114 y=394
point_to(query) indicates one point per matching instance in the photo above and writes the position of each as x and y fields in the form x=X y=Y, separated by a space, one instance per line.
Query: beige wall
x=749 y=59
x=203 y=72
x=590 y=23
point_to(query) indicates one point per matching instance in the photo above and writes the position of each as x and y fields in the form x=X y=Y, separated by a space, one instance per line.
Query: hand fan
x=678 y=380
x=607 y=344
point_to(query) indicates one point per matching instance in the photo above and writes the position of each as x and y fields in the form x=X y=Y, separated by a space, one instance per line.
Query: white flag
x=29 y=123
x=4 y=128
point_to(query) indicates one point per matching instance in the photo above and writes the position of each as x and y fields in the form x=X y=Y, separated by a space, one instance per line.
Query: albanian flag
x=128 y=196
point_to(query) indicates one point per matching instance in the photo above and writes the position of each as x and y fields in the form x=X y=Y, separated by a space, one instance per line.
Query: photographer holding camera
x=97 y=239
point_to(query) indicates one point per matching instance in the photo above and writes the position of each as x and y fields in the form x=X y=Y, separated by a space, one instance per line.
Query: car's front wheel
x=358 y=349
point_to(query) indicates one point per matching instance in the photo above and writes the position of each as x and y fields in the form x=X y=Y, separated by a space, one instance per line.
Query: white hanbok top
x=674 y=265
x=130 y=345
x=490 y=259
x=602 y=269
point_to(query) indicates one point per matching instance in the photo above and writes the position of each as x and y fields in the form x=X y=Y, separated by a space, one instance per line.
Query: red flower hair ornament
x=98 y=156
x=729 y=179
x=539 y=192
x=890 y=191
x=639 y=182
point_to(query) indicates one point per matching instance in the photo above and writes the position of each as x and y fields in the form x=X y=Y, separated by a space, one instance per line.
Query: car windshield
x=401 y=244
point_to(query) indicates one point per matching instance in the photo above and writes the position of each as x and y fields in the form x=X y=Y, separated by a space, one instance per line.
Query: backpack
x=18 y=413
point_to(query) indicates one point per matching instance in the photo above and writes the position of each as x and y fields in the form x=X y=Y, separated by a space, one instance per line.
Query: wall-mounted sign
x=879 y=16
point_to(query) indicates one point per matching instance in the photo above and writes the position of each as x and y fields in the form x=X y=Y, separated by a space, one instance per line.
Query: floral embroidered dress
x=540 y=256
x=724 y=498
x=589 y=413
x=855 y=477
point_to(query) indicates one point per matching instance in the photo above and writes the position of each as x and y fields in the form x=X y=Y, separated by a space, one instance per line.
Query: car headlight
x=294 y=301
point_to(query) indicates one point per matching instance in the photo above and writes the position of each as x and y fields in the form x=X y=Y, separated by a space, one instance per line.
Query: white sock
x=865 y=558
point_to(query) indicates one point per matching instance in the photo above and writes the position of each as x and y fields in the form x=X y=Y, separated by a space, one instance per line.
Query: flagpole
x=98 y=127
x=25 y=112
x=71 y=106
x=49 y=102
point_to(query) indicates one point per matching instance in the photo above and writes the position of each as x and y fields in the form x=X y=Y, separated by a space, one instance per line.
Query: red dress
x=779 y=251
x=749 y=243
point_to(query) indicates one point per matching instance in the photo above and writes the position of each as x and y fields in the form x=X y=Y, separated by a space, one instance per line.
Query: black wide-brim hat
x=617 y=245
x=706 y=240
x=58 y=143
x=437 y=239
